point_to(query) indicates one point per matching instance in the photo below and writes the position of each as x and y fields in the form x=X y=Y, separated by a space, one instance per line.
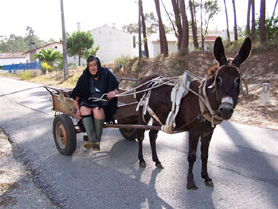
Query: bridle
x=205 y=107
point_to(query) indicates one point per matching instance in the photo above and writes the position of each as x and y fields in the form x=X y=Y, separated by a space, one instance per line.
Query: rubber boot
x=99 y=129
x=90 y=129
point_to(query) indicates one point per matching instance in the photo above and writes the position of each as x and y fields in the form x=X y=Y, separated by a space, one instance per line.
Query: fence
x=24 y=66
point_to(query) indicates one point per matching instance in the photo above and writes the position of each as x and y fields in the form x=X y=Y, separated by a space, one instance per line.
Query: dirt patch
x=17 y=189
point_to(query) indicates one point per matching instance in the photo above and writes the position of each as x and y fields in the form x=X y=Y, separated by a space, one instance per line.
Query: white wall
x=113 y=43
x=10 y=61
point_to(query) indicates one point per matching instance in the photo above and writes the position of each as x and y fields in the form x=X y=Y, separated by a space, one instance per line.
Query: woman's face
x=93 y=67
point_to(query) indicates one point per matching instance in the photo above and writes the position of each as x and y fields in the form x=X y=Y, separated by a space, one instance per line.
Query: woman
x=92 y=84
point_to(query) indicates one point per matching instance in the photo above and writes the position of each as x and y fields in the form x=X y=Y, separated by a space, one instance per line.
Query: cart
x=66 y=125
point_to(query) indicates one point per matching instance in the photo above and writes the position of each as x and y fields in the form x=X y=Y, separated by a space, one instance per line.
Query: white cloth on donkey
x=179 y=91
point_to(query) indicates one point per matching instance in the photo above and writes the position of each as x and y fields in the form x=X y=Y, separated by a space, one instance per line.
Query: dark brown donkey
x=220 y=89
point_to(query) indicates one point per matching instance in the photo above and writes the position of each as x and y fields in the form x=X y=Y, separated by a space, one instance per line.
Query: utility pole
x=139 y=32
x=66 y=74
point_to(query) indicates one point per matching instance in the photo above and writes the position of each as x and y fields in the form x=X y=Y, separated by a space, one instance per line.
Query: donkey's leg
x=153 y=137
x=205 y=140
x=140 y=138
x=193 y=142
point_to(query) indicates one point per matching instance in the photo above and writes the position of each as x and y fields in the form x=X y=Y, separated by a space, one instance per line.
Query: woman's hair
x=96 y=59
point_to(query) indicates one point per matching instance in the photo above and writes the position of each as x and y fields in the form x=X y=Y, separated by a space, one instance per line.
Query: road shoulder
x=17 y=189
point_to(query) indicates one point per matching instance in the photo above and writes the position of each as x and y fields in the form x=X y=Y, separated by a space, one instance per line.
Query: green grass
x=26 y=75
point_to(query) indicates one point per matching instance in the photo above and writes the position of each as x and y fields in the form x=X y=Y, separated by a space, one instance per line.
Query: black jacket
x=82 y=89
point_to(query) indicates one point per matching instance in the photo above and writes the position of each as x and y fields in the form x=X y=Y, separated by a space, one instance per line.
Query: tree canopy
x=80 y=43
x=49 y=56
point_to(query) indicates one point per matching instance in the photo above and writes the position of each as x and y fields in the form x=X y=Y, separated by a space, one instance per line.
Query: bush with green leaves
x=271 y=30
x=50 y=56
x=121 y=62
x=26 y=75
x=46 y=67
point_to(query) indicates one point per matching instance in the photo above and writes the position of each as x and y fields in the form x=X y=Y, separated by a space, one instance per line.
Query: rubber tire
x=128 y=134
x=64 y=134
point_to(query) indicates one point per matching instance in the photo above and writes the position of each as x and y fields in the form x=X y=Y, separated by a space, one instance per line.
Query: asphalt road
x=243 y=162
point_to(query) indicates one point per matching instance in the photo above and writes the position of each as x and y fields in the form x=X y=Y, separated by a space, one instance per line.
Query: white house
x=55 y=46
x=29 y=54
x=113 y=43
x=154 y=44
x=12 y=58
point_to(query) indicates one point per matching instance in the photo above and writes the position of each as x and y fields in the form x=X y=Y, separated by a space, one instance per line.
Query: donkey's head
x=228 y=76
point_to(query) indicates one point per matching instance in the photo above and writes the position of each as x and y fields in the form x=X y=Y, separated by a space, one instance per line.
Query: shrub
x=135 y=66
x=46 y=67
x=120 y=62
x=26 y=75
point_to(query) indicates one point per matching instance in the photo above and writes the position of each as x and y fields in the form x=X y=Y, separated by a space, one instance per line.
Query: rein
x=206 y=111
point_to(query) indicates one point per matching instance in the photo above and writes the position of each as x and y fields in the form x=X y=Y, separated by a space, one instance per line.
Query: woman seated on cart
x=91 y=85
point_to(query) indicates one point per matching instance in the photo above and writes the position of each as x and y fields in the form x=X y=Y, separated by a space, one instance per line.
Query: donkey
x=220 y=90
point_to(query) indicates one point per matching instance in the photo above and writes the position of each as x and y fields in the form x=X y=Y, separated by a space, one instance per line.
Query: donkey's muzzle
x=226 y=110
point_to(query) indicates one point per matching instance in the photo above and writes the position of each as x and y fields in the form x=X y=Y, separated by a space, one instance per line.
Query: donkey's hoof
x=209 y=184
x=191 y=186
x=158 y=165
x=142 y=165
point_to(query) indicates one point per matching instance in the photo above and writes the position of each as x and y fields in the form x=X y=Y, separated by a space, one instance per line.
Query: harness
x=179 y=91
x=181 y=87
x=204 y=104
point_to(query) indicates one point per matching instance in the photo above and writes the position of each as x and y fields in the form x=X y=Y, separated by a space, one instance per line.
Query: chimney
x=78 y=26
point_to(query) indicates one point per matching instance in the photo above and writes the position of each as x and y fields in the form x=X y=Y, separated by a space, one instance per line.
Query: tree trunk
x=178 y=21
x=248 y=18
x=194 y=28
x=162 y=35
x=185 y=29
x=235 y=22
x=173 y=26
x=253 y=34
x=262 y=27
x=227 y=21
x=145 y=40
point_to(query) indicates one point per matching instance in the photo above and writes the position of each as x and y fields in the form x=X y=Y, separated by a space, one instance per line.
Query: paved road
x=243 y=162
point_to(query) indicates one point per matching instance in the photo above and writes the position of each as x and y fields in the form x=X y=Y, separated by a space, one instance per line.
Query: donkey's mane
x=213 y=69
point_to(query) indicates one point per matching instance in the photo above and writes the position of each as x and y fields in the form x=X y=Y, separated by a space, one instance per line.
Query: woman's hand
x=111 y=95
x=78 y=114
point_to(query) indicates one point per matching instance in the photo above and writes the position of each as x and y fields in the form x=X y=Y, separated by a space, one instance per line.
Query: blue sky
x=44 y=16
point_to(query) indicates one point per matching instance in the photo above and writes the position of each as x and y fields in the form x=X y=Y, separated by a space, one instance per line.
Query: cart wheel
x=64 y=134
x=129 y=133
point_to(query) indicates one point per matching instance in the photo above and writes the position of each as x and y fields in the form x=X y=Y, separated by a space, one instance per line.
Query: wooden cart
x=66 y=125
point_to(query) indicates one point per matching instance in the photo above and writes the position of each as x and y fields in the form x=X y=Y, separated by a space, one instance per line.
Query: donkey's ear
x=243 y=53
x=218 y=52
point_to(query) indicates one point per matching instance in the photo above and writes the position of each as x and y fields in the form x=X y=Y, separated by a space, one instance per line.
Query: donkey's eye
x=219 y=81
x=237 y=80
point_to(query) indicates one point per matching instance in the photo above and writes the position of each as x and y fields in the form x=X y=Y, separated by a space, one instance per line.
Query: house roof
x=41 y=47
x=107 y=26
x=210 y=38
x=10 y=55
